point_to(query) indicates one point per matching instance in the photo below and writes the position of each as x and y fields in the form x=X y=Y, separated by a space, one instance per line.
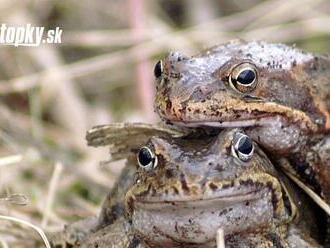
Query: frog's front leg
x=120 y=235
x=111 y=209
x=73 y=234
x=113 y=206
x=312 y=166
x=322 y=164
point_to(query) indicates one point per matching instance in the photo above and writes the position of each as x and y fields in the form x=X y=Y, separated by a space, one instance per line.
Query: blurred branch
x=4 y=161
x=26 y=223
x=82 y=67
x=106 y=38
x=51 y=193
x=283 y=13
x=144 y=82
x=293 y=31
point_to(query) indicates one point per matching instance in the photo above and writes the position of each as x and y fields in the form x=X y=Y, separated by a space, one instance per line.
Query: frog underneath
x=186 y=189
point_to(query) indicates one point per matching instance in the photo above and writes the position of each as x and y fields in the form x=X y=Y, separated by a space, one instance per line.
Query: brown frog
x=279 y=94
x=186 y=189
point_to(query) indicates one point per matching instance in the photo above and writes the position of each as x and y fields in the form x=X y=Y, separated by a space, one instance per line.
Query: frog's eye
x=244 y=78
x=146 y=158
x=242 y=147
x=158 y=70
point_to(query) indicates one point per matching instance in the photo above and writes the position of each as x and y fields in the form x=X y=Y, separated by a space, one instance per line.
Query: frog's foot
x=74 y=233
x=276 y=238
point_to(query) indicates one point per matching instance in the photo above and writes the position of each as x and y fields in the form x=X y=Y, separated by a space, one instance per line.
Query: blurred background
x=101 y=73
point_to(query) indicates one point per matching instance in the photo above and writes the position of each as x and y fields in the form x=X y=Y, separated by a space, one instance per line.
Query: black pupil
x=158 y=69
x=246 y=77
x=245 y=145
x=145 y=157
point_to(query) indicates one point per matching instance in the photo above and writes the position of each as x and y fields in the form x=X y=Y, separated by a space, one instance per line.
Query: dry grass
x=102 y=72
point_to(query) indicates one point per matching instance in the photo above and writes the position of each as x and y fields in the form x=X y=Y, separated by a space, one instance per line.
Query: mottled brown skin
x=287 y=113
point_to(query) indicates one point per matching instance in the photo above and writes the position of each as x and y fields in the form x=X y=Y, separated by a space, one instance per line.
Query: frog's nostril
x=213 y=187
x=177 y=56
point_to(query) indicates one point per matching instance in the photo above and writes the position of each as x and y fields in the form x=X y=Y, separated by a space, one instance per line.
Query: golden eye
x=147 y=159
x=242 y=147
x=244 y=77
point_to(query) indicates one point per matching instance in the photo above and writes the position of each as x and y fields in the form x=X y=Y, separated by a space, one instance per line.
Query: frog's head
x=244 y=84
x=187 y=189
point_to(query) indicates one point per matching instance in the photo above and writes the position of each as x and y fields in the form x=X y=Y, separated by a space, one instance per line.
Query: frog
x=277 y=93
x=186 y=189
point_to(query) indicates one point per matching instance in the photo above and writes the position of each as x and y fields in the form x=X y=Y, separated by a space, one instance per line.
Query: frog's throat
x=283 y=205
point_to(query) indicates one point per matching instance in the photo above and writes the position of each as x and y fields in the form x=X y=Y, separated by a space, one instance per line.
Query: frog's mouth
x=242 y=189
x=222 y=200
x=228 y=124
x=238 y=114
